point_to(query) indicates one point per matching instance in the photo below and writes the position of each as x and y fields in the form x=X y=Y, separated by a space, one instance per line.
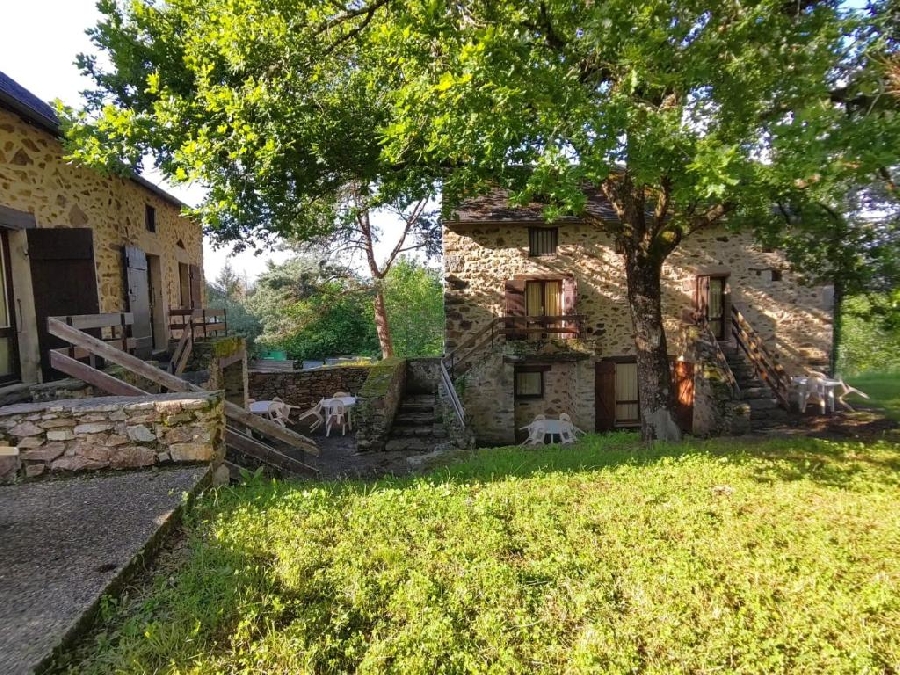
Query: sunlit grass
x=883 y=389
x=604 y=557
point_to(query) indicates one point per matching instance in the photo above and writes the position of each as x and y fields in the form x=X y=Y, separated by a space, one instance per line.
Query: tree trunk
x=642 y=272
x=382 y=328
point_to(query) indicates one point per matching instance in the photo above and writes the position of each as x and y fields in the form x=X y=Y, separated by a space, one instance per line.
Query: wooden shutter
x=683 y=379
x=138 y=295
x=605 y=396
x=196 y=277
x=515 y=306
x=64 y=281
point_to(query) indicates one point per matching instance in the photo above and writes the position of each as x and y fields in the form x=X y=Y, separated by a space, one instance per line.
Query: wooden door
x=196 y=277
x=138 y=300
x=9 y=342
x=710 y=301
x=683 y=375
x=605 y=396
x=64 y=281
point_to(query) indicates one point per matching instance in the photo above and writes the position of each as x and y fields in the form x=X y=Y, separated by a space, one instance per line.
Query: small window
x=529 y=383
x=542 y=240
x=150 y=218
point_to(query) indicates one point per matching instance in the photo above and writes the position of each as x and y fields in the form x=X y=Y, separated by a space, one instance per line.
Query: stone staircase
x=765 y=412
x=417 y=425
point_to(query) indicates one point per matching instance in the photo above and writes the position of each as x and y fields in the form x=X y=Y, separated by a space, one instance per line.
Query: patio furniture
x=315 y=411
x=347 y=400
x=846 y=389
x=536 y=431
x=336 y=415
x=280 y=412
x=568 y=432
x=813 y=387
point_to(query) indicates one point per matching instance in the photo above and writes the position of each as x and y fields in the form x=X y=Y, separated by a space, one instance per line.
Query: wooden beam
x=175 y=383
x=267 y=454
x=108 y=320
x=98 y=378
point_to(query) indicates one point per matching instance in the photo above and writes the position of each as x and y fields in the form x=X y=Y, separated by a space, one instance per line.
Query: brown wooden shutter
x=64 y=281
x=196 y=276
x=683 y=379
x=515 y=306
x=138 y=300
x=605 y=396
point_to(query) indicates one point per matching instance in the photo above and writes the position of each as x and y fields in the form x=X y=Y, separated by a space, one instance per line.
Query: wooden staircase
x=765 y=410
x=417 y=425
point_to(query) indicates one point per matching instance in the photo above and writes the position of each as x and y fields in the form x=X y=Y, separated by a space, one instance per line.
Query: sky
x=41 y=39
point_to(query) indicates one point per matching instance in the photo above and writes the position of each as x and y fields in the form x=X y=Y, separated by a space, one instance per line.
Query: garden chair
x=315 y=411
x=349 y=411
x=336 y=415
x=568 y=432
x=280 y=412
x=537 y=430
x=845 y=388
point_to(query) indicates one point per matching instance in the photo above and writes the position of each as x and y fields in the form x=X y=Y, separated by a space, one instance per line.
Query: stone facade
x=115 y=432
x=305 y=388
x=377 y=403
x=36 y=179
x=480 y=257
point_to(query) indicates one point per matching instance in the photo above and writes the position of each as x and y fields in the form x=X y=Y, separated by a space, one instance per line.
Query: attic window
x=542 y=241
x=149 y=218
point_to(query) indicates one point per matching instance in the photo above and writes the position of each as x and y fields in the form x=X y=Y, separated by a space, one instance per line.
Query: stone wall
x=114 y=432
x=423 y=375
x=377 y=403
x=479 y=259
x=717 y=408
x=305 y=388
x=35 y=178
x=205 y=367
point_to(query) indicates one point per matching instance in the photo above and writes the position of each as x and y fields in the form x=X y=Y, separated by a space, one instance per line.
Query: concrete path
x=62 y=543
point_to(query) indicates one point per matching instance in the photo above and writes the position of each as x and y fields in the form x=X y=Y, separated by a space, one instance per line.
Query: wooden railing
x=240 y=419
x=182 y=352
x=764 y=362
x=719 y=355
x=454 y=397
x=204 y=322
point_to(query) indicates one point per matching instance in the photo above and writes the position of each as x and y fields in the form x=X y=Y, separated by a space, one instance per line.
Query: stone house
x=74 y=241
x=537 y=319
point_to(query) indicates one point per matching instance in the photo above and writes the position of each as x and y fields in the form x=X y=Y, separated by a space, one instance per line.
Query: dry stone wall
x=377 y=403
x=305 y=388
x=113 y=432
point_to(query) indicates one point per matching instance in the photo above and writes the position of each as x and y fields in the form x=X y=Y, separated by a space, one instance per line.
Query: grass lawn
x=605 y=557
x=884 y=390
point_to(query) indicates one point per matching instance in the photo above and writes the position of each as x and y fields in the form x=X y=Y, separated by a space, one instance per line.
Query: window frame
x=149 y=218
x=533 y=240
x=530 y=370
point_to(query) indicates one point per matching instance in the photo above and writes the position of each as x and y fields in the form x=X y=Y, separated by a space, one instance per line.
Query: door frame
x=701 y=301
x=11 y=332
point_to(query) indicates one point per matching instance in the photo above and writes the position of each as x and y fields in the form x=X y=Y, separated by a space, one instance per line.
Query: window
x=542 y=240
x=627 y=408
x=150 y=218
x=530 y=382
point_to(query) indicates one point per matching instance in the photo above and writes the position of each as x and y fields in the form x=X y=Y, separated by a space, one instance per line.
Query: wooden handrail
x=721 y=360
x=454 y=397
x=174 y=383
x=182 y=352
x=764 y=362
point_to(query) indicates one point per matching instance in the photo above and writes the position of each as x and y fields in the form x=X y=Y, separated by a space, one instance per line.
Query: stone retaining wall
x=304 y=388
x=114 y=432
x=717 y=411
x=377 y=403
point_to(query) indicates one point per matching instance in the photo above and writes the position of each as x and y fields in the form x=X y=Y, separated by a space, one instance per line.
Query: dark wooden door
x=710 y=301
x=138 y=295
x=64 y=281
x=9 y=338
x=605 y=396
x=196 y=276
x=683 y=374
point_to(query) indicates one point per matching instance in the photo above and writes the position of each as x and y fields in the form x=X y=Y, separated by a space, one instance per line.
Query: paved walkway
x=62 y=542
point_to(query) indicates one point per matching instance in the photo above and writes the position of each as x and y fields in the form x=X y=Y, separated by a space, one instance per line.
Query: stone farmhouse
x=537 y=321
x=76 y=242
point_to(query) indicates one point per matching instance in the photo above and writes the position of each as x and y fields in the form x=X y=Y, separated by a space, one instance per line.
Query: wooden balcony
x=566 y=327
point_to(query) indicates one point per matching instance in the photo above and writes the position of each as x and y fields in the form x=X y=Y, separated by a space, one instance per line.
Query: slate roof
x=19 y=100
x=494 y=207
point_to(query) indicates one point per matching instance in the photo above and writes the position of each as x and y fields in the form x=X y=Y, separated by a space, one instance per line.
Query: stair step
x=412 y=419
x=761 y=405
x=411 y=444
x=419 y=431
x=748 y=393
x=415 y=408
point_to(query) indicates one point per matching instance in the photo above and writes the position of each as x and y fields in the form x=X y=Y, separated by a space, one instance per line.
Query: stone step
x=413 y=444
x=413 y=419
x=418 y=431
x=407 y=408
x=755 y=392
x=761 y=405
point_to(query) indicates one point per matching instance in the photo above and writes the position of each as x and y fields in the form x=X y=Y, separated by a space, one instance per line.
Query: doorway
x=542 y=298
x=711 y=301
x=616 y=401
x=157 y=302
x=9 y=339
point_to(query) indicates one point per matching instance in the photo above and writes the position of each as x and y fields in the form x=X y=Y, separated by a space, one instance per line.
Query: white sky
x=40 y=41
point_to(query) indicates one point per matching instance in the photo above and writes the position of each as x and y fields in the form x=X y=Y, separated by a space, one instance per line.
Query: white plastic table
x=348 y=401
x=825 y=393
x=263 y=408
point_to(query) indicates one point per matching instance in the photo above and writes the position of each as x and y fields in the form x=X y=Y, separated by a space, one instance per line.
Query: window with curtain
x=529 y=383
x=543 y=298
x=627 y=410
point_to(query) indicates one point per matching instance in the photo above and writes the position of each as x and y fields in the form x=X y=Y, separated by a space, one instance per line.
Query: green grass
x=605 y=557
x=883 y=390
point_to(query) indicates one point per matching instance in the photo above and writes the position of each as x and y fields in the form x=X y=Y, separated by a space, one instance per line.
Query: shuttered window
x=542 y=240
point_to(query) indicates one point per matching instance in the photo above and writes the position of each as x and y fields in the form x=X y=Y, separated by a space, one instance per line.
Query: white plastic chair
x=568 y=432
x=846 y=389
x=336 y=416
x=349 y=411
x=315 y=411
x=280 y=412
x=537 y=430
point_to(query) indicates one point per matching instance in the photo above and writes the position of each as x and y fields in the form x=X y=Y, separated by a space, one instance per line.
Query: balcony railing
x=521 y=327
